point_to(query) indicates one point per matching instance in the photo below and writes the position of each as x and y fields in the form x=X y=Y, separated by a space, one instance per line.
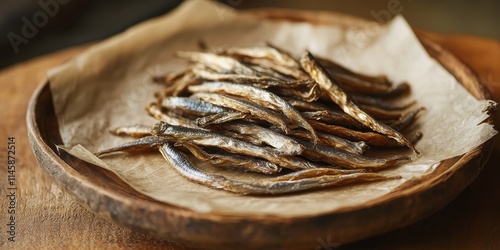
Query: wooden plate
x=107 y=196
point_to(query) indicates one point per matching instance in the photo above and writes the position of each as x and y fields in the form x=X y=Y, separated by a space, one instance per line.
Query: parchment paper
x=109 y=86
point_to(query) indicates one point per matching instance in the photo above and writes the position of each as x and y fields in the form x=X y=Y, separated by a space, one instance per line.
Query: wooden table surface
x=47 y=218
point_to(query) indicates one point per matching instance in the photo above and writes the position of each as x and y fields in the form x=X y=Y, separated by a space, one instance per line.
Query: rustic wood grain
x=50 y=219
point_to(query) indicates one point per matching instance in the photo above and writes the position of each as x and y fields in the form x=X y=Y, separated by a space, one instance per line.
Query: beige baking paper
x=109 y=86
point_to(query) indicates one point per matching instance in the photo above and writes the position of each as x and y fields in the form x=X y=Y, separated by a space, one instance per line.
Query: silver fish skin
x=259 y=96
x=345 y=159
x=244 y=106
x=220 y=118
x=333 y=117
x=136 y=131
x=256 y=81
x=283 y=144
x=261 y=187
x=191 y=105
x=268 y=52
x=358 y=147
x=341 y=98
x=155 y=111
x=143 y=144
x=221 y=64
x=212 y=139
x=241 y=162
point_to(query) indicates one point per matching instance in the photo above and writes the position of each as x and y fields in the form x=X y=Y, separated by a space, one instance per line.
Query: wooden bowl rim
x=74 y=183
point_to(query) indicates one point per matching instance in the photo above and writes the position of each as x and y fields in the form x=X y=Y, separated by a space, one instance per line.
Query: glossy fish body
x=260 y=187
x=136 y=131
x=348 y=160
x=259 y=96
x=283 y=144
x=221 y=64
x=244 y=106
x=155 y=111
x=342 y=99
x=241 y=162
x=140 y=145
x=190 y=105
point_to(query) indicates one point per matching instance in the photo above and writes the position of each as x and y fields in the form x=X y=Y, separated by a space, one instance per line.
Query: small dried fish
x=359 y=147
x=380 y=103
x=190 y=105
x=270 y=53
x=256 y=81
x=358 y=85
x=233 y=161
x=244 y=106
x=370 y=138
x=220 y=118
x=140 y=145
x=212 y=139
x=260 y=187
x=220 y=64
x=311 y=173
x=341 y=98
x=267 y=57
x=406 y=119
x=169 y=78
x=348 y=160
x=155 y=111
x=283 y=144
x=136 y=131
x=333 y=117
x=335 y=68
x=259 y=96
x=381 y=114
x=310 y=94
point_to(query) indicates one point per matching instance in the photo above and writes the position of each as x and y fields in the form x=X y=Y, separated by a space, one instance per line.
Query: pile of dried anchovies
x=308 y=122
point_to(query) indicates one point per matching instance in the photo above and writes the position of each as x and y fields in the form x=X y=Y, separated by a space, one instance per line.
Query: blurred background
x=32 y=28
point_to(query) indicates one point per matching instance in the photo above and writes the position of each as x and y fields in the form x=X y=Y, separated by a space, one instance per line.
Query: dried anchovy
x=136 y=131
x=140 y=145
x=256 y=81
x=270 y=53
x=245 y=163
x=221 y=64
x=332 y=117
x=358 y=85
x=307 y=94
x=220 y=118
x=190 y=105
x=244 y=106
x=406 y=119
x=309 y=173
x=381 y=114
x=212 y=139
x=348 y=160
x=155 y=111
x=334 y=68
x=179 y=85
x=260 y=187
x=359 y=147
x=380 y=103
x=259 y=96
x=283 y=144
x=341 y=98
x=370 y=138
x=268 y=57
